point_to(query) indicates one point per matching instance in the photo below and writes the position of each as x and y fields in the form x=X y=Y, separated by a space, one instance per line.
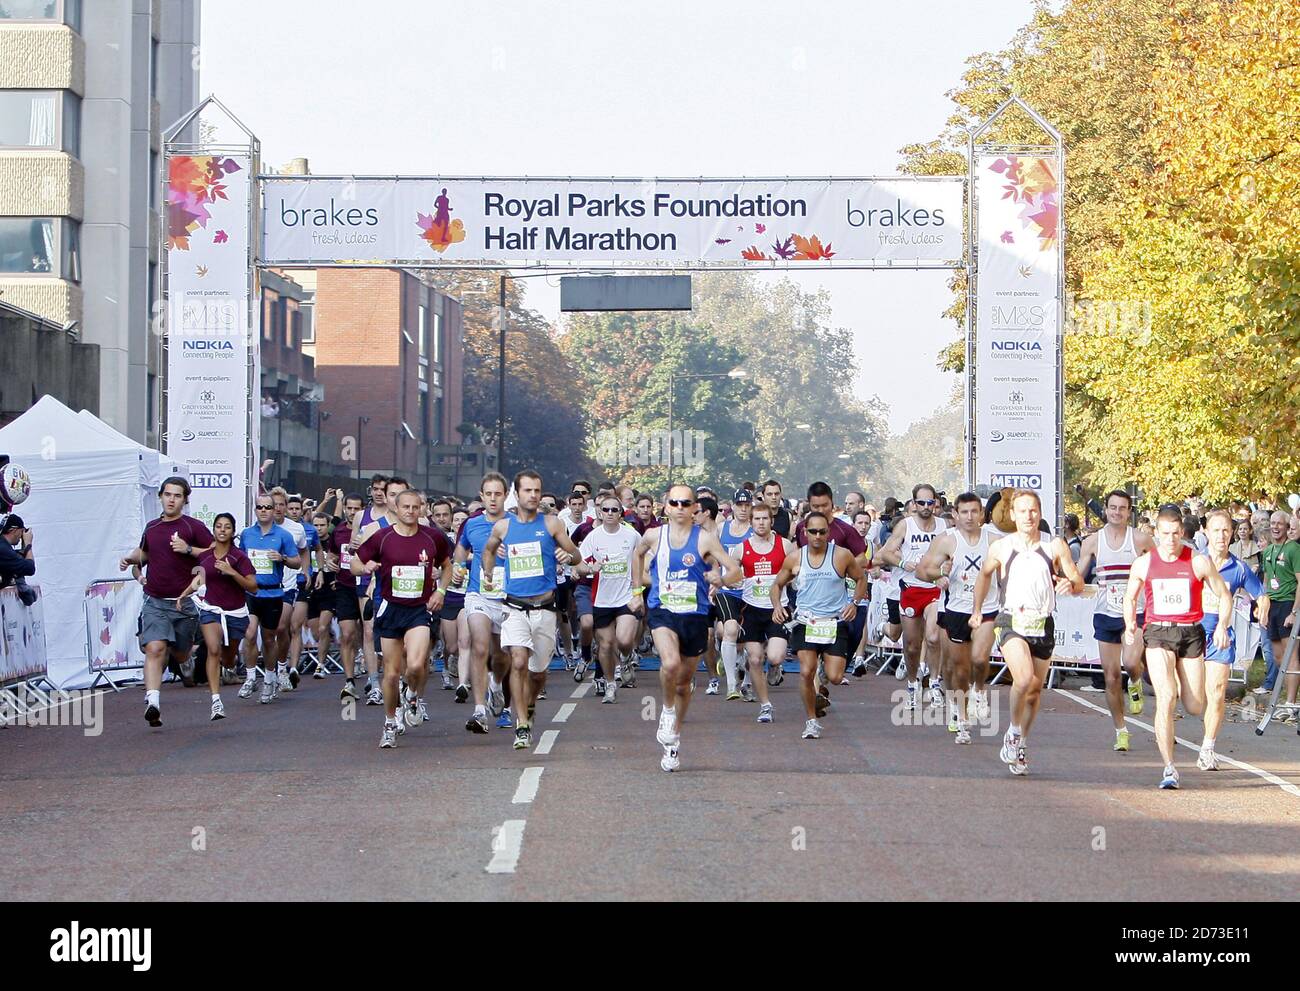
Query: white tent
x=93 y=490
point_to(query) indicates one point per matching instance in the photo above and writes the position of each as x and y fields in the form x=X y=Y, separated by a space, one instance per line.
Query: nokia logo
x=1028 y=346
x=207 y=346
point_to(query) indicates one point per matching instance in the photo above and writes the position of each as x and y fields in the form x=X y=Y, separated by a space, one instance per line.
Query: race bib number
x=525 y=560
x=614 y=569
x=820 y=631
x=1209 y=601
x=762 y=588
x=678 y=596
x=345 y=558
x=1029 y=626
x=262 y=562
x=498 y=584
x=1173 y=595
x=1274 y=584
x=1115 y=596
x=408 y=581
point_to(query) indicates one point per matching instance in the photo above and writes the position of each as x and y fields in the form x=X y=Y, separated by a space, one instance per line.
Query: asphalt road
x=293 y=801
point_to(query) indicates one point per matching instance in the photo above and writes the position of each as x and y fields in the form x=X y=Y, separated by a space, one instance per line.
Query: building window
x=424 y=415
x=151 y=399
x=437 y=338
x=308 y=324
x=40 y=119
x=67 y=11
x=40 y=246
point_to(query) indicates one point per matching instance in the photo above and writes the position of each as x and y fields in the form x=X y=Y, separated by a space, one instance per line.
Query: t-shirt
x=299 y=534
x=1281 y=562
x=221 y=590
x=612 y=586
x=313 y=541
x=474 y=534
x=169 y=574
x=258 y=545
x=844 y=535
x=338 y=543
x=579 y=534
x=407 y=564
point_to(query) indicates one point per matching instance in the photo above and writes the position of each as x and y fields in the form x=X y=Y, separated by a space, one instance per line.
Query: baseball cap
x=11 y=522
x=703 y=490
x=743 y=495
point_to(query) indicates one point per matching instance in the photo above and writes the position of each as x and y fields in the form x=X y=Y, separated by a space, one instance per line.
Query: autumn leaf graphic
x=1025 y=271
x=810 y=249
x=221 y=237
x=201 y=271
x=1008 y=238
x=752 y=254
x=784 y=249
x=760 y=228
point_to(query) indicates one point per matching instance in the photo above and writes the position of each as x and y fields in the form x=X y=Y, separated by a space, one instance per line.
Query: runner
x=305 y=582
x=376 y=510
x=320 y=602
x=762 y=555
x=858 y=665
x=406 y=557
x=823 y=613
x=918 y=599
x=727 y=603
x=678 y=616
x=1281 y=574
x=453 y=611
x=347 y=608
x=1113 y=549
x=272 y=549
x=958 y=555
x=616 y=606
x=528 y=629
x=1172 y=577
x=169 y=546
x=1025 y=632
x=287 y=668
x=484 y=607
x=780 y=515
x=582 y=607
x=226 y=575
x=706 y=518
x=1237 y=577
x=393 y=488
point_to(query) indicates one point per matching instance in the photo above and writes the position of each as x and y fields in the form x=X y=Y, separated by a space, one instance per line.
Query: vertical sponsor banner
x=208 y=345
x=1017 y=317
x=22 y=636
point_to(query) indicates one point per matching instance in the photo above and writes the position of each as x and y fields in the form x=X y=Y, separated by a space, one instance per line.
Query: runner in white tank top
x=1113 y=549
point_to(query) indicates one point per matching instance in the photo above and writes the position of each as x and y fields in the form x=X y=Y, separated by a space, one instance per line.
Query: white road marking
x=506 y=844
x=1268 y=776
x=582 y=690
x=565 y=712
x=528 y=782
x=546 y=742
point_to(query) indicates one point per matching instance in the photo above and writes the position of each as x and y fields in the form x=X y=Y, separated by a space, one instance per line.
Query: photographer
x=15 y=565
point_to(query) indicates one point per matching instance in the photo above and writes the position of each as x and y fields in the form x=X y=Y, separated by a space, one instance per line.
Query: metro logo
x=212 y=480
x=1016 y=481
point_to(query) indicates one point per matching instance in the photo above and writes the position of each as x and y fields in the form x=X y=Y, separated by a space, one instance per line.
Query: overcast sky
x=670 y=89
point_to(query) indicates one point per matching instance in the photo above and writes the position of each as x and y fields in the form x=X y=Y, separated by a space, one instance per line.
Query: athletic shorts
x=452 y=604
x=236 y=626
x=268 y=610
x=533 y=629
x=1040 y=647
x=841 y=646
x=957 y=624
x=1182 y=641
x=1278 y=611
x=891 y=607
x=290 y=597
x=1110 y=629
x=346 y=606
x=161 y=620
x=493 y=609
x=912 y=601
x=602 y=616
x=726 y=607
x=582 y=600
x=692 y=629
x=757 y=626
x=1212 y=653
x=321 y=599
x=392 y=622
x=564 y=596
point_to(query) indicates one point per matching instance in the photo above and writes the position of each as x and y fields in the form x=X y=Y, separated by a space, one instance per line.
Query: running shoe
x=462 y=694
x=496 y=699
x=452 y=667
x=667 y=734
x=610 y=694
x=564 y=656
x=289 y=681
x=247 y=689
x=629 y=676
x=936 y=694
x=1121 y=741
x=900 y=670
x=389 y=739
x=424 y=711
x=820 y=704
x=447 y=683
x=1135 y=697
x=600 y=685
x=844 y=679
x=747 y=693
x=713 y=687
x=411 y=711
x=153 y=715
x=963 y=735
x=523 y=738
x=953 y=725
x=1208 y=760
x=401 y=723
x=1021 y=764
x=670 y=761
x=505 y=720
x=477 y=723
x=218 y=710
x=319 y=673
x=541 y=695
x=579 y=668
x=1170 y=781
x=1010 y=742
x=910 y=704
x=733 y=695
x=775 y=674
x=765 y=713
x=812 y=730
x=374 y=696
x=268 y=690
x=859 y=666
x=982 y=711
x=618 y=673
x=348 y=691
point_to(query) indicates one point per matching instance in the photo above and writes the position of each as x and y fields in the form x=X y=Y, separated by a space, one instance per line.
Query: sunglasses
x=681 y=502
x=264 y=505
x=927 y=502
x=816 y=533
x=611 y=509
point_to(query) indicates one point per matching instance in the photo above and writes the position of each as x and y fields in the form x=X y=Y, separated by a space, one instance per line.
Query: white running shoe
x=424 y=710
x=1170 y=780
x=447 y=683
x=1021 y=763
x=812 y=730
x=765 y=713
x=268 y=690
x=218 y=710
x=496 y=700
x=247 y=689
x=285 y=684
x=610 y=693
x=982 y=711
x=411 y=712
x=618 y=673
x=670 y=761
x=713 y=687
x=963 y=734
x=667 y=734
x=374 y=696
x=1208 y=760
x=910 y=704
x=389 y=739
x=319 y=673
x=936 y=694
x=900 y=672
x=1010 y=742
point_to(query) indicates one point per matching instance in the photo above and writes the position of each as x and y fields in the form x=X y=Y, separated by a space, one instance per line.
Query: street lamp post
x=735 y=373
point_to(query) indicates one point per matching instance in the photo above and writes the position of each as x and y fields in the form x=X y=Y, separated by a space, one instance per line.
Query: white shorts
x=535 y=630
x=480 y=605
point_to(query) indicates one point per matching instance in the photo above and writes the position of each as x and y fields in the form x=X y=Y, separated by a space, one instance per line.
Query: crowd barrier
x=22 y=643
x=112 y=609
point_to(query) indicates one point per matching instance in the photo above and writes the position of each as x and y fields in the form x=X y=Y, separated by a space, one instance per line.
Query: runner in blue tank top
x=679 y=605
x=726 y=602
x=528 y=629
x=823 y=616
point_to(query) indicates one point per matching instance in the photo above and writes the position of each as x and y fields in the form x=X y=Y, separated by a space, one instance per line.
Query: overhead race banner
x=208 y=337
x=906 y=221
x=1017 y=313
